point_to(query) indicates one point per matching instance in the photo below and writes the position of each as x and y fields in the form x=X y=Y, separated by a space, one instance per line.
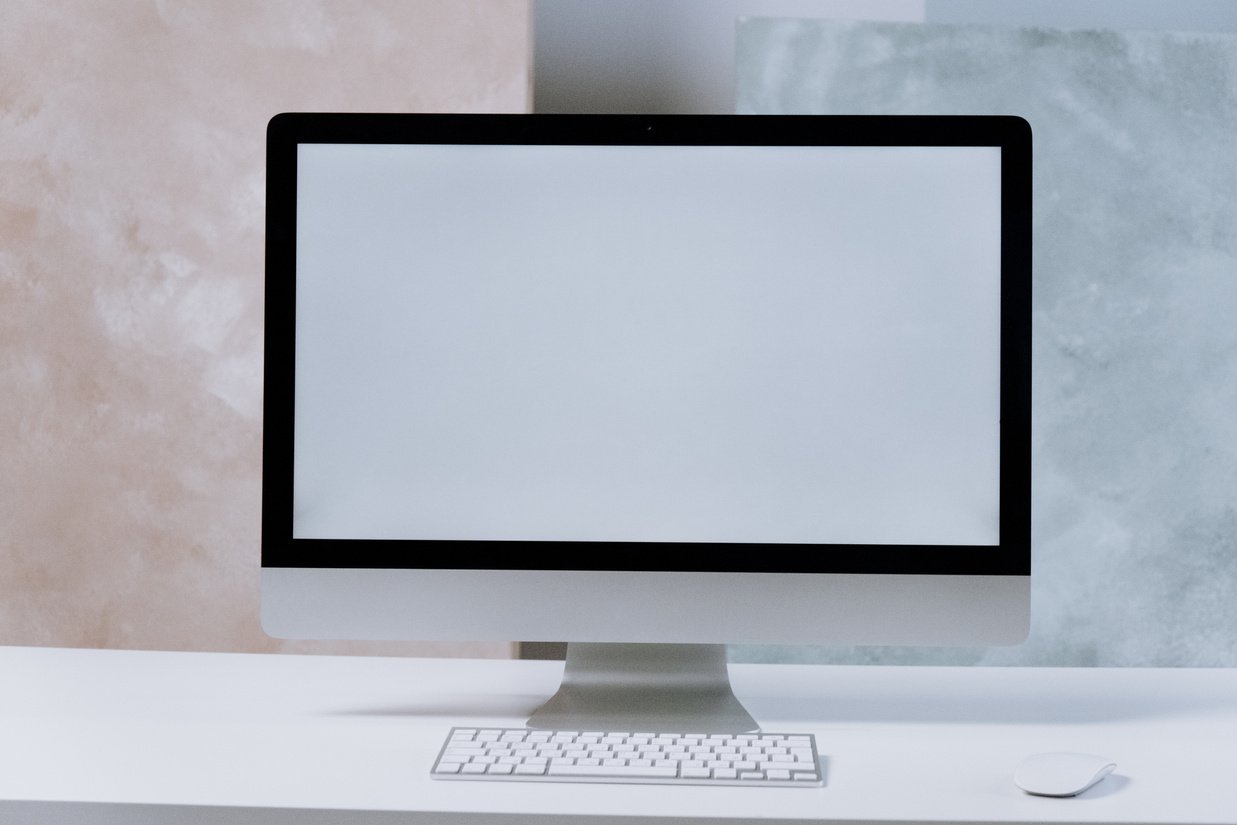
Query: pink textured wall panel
x=131 y=242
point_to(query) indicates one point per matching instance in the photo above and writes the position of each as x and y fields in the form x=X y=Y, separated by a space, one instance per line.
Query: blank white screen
x=730 y=344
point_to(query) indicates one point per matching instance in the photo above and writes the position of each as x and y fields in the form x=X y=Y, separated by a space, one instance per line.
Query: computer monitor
x=648 y=385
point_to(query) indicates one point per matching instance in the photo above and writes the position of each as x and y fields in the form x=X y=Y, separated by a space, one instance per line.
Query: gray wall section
x=1136 y=354
x=659 y=56
x=677 y=56
x=1135 y=310
x=1179 y=15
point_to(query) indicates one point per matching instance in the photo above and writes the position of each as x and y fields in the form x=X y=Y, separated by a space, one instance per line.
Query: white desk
x=106 y=737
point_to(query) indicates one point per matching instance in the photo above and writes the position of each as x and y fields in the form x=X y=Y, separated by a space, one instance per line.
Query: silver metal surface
x=677 y=687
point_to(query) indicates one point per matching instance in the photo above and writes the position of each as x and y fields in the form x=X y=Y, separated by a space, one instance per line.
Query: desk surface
x=131 y=736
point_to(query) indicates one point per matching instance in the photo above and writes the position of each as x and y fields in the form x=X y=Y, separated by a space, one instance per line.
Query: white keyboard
x=520 y=754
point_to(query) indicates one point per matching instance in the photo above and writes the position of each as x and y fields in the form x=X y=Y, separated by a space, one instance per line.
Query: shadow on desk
x=879 y=694
x=1112 y=785
x=471 y=705
x=1031 y=696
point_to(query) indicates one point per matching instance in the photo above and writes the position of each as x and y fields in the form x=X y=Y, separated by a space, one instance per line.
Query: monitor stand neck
x=645 y=687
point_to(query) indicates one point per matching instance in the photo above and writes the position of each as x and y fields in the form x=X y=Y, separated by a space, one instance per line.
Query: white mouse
x=1061 y=774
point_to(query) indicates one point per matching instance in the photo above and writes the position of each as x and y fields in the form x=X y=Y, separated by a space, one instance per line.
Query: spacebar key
x=613 y=771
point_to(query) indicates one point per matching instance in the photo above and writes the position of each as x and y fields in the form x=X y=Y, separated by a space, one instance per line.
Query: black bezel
x=1012 y=556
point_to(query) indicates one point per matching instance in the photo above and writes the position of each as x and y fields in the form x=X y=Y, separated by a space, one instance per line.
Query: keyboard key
x=615 y=771
x=529 y=770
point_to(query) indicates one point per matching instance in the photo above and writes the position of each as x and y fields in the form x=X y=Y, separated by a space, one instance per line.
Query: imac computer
x=648 y=385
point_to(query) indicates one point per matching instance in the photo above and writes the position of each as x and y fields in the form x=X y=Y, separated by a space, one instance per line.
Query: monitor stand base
x=645 y=687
